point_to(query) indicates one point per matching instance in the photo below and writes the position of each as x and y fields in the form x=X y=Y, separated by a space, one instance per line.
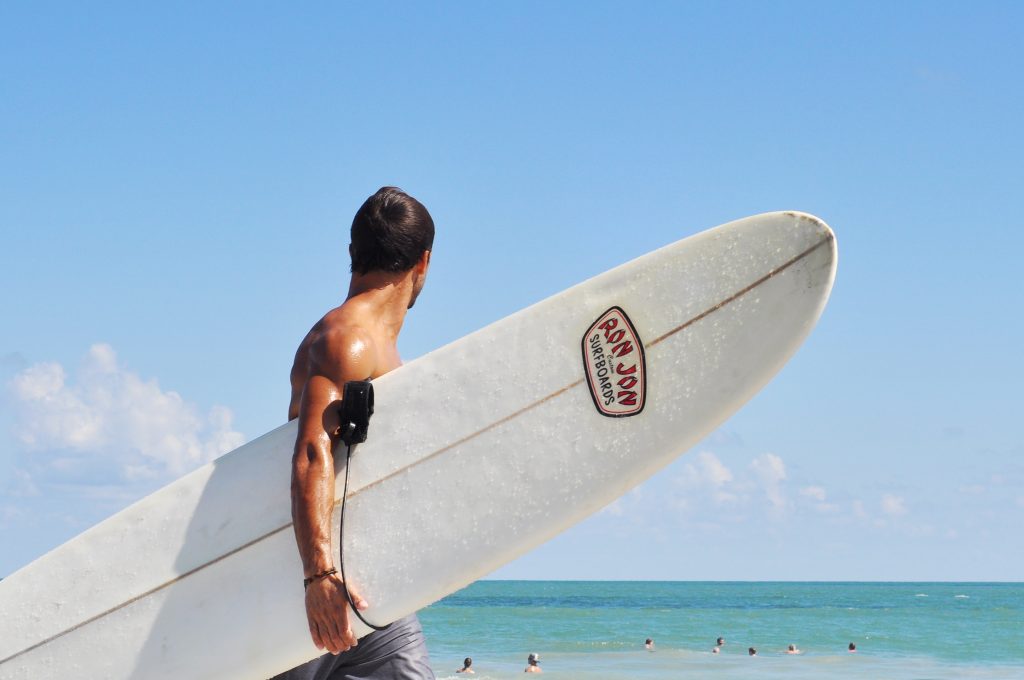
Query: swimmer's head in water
x=792 y=648
x=533 y=659
x=390 y=233
x=752 y=652
x=467 y=662
x=648 y=641
x=720 y=642
x=852 y=647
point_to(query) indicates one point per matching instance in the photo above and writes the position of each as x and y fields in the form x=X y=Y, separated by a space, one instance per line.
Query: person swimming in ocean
x=533 y=664
x=793 y=650
x=751 y=651
x=852 y=648
x=720 y=642
x=649 y=645
x=466 y=666
x=716 y=650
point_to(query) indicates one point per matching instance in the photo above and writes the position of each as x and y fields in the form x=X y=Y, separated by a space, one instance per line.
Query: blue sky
x=176 y=185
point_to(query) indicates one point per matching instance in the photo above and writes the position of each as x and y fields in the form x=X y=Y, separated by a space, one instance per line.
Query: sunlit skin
x=355 y=341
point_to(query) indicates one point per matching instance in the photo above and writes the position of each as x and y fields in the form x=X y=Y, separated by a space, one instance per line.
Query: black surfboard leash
x=356 y=409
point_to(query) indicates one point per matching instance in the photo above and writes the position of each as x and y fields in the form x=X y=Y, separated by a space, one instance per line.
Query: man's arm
x=335 y=358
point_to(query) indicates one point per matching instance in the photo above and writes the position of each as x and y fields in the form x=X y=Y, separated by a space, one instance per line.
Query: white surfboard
x=577 y=399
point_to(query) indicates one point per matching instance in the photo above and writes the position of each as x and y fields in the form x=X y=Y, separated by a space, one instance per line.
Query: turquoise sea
x=595 y=630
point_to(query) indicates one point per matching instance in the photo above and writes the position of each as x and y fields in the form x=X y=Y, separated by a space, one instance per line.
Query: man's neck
x=386 y=295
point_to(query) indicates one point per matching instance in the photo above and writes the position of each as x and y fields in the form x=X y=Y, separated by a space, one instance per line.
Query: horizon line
x=824 y=581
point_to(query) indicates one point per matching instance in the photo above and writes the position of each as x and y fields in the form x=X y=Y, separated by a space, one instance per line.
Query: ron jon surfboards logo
x=613 y=359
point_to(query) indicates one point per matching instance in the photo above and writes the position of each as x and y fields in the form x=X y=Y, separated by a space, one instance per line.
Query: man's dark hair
x=390 y=232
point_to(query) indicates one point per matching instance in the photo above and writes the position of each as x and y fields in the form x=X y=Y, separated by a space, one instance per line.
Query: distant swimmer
x=466 y=666
x=533 y=664
x=720 y=642
x=752 y=652
x=852 y=648
x=649 y=645
x=792 y=650
x=716 y=650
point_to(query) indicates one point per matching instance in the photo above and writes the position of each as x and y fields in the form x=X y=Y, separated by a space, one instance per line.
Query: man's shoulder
x=340 y=335
x=340 y=346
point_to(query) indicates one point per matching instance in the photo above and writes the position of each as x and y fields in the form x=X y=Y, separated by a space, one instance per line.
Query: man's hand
x=327 y=610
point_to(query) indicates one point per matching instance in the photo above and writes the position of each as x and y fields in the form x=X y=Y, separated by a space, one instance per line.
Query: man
x=392 y=236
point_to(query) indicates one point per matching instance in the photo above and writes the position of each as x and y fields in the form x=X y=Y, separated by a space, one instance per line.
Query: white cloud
x=769 y=468
x=818 y=496
x=714 y=470
x=109 y=418
x=706 y=480
x=893 y=505
x=706 y=470
x=815 y=492
x=770 y=471
x=707 y=474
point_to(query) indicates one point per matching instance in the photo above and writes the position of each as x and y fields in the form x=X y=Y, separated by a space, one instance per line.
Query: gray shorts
x=399 y=652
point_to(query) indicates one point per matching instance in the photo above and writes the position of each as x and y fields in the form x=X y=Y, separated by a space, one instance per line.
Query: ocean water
x=595 y=630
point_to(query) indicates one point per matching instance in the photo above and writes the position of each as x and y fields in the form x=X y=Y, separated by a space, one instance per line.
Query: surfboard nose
x=819 y=233
x=814 y=223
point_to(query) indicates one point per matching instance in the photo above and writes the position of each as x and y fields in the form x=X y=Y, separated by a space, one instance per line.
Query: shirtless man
x=392 y=235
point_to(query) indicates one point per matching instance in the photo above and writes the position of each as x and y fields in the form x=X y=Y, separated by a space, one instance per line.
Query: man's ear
x=425 y=260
